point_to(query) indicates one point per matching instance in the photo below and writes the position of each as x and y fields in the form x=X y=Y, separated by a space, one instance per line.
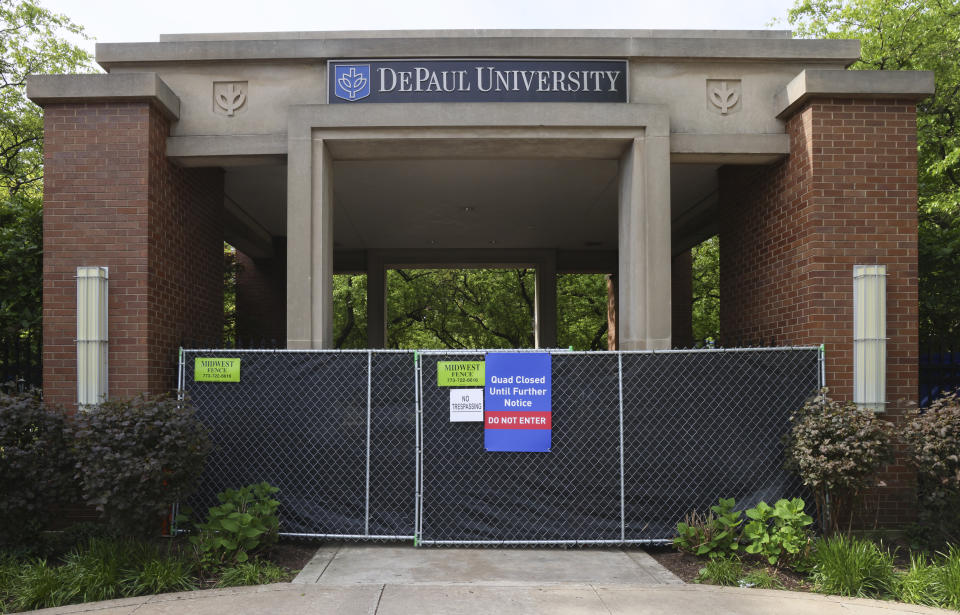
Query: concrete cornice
x=566 y=44
x=51 y=89
x=817 y=83
x=479 y=33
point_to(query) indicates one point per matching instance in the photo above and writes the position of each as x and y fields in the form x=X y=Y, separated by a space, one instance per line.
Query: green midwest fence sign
x=460 y=373
x=216 y=369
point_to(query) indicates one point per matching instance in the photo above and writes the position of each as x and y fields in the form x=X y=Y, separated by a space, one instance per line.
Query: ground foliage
x=836 y=448
x=135 y=457
x=933 y=440
x=915 y=35
x=36 y=467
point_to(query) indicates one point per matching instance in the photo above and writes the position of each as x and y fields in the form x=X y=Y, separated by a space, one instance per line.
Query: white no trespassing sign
x=466 y=405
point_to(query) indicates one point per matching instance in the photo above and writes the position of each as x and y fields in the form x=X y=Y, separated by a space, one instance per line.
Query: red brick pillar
x=111 y=198
x=262 y=298
x=792 y=232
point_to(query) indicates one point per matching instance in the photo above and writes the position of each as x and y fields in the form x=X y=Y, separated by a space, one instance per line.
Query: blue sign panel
x=422 y=81
x=517 y=409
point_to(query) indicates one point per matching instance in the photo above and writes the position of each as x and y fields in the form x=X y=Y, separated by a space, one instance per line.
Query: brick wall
x=792 y=232
x=112 y=199
x=262 y=298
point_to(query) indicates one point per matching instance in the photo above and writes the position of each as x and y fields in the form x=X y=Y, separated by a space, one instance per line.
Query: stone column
x=545 y=303
x=376 y=301
x=644 y=243
x=309 y=245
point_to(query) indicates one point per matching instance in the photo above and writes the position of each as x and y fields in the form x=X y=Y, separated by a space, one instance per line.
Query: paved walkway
x=388 y=580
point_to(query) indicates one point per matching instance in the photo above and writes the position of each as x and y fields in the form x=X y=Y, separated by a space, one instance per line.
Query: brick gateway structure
x=576 y=151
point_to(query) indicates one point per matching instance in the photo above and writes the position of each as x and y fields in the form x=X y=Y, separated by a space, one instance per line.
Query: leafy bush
x=37 y=586
x=933 y=439
x=715 y=533
x=836 y=448
x=245 y=521
x=948 y=578
x=779 y=533
x=253 y=572
x=158 y=575
x=135 y=458
x=36 y=467
x=721 y=571
x=852 y=567
x=919 y=583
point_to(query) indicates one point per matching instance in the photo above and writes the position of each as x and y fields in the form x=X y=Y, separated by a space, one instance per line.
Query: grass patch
x=852 y=567
x=721 y=571
x=255 y=572
x=761 y=579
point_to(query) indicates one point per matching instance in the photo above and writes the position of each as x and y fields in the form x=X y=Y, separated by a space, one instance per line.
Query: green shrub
x=158 y=575
x=253 y=572
x=919 y=584
x=36 y=467
x=245 y=521
x=38 y=586
x=779 y=533
x=761 y=579
x=715 y=533
x=135 y=458
x=9 y=569
x=948 y=578
x=852 y=567
x=721 y=571
x=836 y=449
x=932 y=437
x=95 y=571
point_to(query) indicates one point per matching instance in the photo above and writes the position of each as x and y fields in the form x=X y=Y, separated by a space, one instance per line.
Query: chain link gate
x=361 y=445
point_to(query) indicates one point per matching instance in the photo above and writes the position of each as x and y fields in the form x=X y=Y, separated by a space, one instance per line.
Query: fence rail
x=361 y=445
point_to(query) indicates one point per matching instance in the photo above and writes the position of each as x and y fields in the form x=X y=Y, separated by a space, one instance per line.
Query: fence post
x=418 y=436
x=623 y=504
x=366 y=524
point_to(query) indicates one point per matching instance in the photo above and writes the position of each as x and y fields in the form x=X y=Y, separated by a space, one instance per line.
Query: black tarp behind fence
x=361 y=445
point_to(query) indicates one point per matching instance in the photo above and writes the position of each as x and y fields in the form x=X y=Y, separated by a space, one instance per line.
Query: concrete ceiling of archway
x=562 y=204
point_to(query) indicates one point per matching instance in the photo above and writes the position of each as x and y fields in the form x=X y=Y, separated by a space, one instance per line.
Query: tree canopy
x=915 y=35
x=32 y=40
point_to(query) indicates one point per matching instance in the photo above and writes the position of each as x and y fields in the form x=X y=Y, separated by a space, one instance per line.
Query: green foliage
x=470 y=308
x=779 y=533
x=158 y=575
x=716 y=533
x=95 y=572
x=725 y=570
x=948 y=578
x=253 y=572
x=36 y=467
x=932 y=437
x=914 y=35
x=231 y=269
x=245 y=521
x=706 y=289
x=37 y=586
x=852 y=567
x=137 y=457
x=836 y=448
x=918 y=584
x=31 y=41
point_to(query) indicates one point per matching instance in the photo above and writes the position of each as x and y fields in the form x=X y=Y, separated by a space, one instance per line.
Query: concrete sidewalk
x=402 y=580
x=296 y=599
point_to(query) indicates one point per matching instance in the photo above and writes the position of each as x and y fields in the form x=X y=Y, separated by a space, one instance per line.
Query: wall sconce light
x=870 y=336
x=92 y=337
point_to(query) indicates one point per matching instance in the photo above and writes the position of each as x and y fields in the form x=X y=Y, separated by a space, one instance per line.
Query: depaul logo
x=352 y=81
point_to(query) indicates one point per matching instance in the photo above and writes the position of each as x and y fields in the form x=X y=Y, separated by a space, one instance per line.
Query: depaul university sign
x=412 y=81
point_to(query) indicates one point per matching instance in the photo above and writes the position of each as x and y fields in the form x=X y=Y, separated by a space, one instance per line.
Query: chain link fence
x=362 y=446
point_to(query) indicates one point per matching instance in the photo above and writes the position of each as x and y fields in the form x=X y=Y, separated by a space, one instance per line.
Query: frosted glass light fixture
x=870 y=336
x=91 y=335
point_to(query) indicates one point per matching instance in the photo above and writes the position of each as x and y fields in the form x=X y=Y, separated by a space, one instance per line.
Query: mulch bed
x=291 y=554
x=687 y=567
